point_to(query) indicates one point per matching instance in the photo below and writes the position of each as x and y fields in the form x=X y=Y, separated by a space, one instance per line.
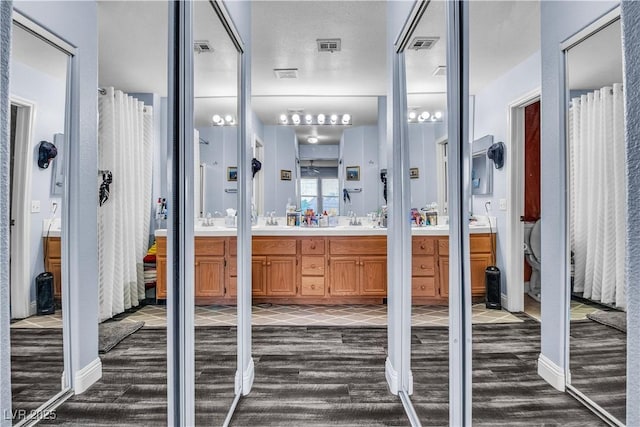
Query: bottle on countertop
x=290 y=207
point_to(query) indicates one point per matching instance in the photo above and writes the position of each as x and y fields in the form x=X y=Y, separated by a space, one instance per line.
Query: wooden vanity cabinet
x=53 y=264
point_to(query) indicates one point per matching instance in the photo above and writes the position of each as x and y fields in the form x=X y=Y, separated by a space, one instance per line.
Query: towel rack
x=230 y=190
x=354 y=190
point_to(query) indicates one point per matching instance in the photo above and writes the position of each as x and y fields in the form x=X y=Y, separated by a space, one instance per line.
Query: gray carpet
x=325 y=376
x=614 y=319
x=110 y=333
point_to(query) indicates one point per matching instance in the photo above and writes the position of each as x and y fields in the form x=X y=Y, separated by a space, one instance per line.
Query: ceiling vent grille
x=202 y=46
x=420 y=43
x=329 y=45
x=286 y=73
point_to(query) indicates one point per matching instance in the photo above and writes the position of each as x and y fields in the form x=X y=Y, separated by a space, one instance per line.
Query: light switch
x=503 y=204
x=35 y=206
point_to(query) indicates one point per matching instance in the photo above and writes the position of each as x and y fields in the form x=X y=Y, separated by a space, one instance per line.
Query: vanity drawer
x=312 y=247
x=209 y=246
x=423 y=287
x=313 y=265
x=281 y=246
x=423 y=266
x=480 y=243
x=423 y=246
x=312 y=286
x=361 y=245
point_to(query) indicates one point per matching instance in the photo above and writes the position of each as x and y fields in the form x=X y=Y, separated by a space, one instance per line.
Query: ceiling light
x=334 y=119
x=312 y=140
x=438 y=115
x=308 y=119
x=320 y=119
x=295 y=119
x=346 y=118
x=285 y=73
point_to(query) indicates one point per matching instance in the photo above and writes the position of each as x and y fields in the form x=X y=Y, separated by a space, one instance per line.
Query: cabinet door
x=281 y=276
x=344 y=275
x=161 y=278
x=55 y=267
x=259 y=275
x=443 y=266
x=373 y=275
x=209 y=276
x=479 y=263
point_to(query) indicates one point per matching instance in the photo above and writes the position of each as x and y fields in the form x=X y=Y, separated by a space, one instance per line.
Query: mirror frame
x=604 y=21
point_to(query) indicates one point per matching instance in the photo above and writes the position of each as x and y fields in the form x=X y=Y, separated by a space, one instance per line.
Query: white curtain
x=125 y=141
x=598 y=194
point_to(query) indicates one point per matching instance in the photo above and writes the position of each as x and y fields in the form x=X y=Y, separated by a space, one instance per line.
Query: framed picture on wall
x=285 y=175
x=414 y=173
x=232 y=173
x=353 y=173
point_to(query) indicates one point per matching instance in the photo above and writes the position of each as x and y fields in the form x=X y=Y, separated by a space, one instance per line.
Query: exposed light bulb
x=320 y=119
x=412 y=115
x=220 y=122
x=312 y=140
x=334 y=119
x=438 y=115
x=424 y=116
x=216 y=118
x=346 y=118
x=228 y=118
x=295 y=119
x=283 y=118
x=308 y=119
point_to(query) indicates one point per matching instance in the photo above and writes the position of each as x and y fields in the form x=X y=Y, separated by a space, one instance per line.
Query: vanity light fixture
x=413 y=116
x=298 y=118
x=438 y=115
x=312 y=140
x=228 y=120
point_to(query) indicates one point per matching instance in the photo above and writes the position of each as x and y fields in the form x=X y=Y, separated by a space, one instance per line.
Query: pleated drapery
x=598 y=194
x=125 y=141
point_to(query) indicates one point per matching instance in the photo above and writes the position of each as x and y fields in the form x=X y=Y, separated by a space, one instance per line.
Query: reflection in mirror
x=426 y=83
x=597 y=199
x=38 y=84
x=216 y=74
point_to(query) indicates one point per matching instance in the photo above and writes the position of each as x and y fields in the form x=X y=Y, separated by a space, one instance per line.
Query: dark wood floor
x=327 y=376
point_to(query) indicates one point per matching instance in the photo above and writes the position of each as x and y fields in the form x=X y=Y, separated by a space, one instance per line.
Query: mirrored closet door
x=596 y=172
x=39 y=105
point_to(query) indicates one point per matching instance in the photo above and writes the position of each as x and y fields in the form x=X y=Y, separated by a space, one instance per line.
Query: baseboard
x=87 y=376
x=247 y=378
x=551 y=373
x=391 y=376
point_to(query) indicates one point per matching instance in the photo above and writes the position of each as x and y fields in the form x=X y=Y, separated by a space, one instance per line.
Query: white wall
x=631 y=45
x=359 y=147
x=280 y=152
x=49 y=95
x=492 y=118
x=559 y=20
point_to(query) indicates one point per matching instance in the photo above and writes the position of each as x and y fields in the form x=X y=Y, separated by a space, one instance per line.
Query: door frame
x=20 y=204
x=514 y=256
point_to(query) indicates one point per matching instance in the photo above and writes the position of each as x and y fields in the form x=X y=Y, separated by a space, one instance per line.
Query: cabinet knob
x=264 y=263
x=313 y=286
x=269 y=264
x=422 y=246
x=422 y=287
x=424 y=267
x=313 y=245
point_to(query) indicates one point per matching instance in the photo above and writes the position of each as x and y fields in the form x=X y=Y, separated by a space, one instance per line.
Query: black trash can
x=44 y=293
x=492 y=287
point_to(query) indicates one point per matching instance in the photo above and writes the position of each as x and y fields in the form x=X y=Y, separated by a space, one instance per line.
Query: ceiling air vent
x=329 y=45
x=419 y=43
x=286 y=73
x=202 y=46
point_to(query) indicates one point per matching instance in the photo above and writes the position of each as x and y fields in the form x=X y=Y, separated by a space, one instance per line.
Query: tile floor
x=579 y=310
x=292 y=315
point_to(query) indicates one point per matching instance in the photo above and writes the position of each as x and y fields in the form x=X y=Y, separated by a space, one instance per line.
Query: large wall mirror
x=39 y=74
x=596 y=174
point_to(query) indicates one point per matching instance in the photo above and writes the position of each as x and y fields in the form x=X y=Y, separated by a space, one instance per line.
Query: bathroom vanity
x=338 y=265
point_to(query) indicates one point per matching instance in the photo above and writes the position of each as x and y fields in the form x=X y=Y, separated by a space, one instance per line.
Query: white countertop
x=360 y=230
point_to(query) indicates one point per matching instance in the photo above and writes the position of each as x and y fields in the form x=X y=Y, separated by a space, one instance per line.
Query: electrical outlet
x=487 y=205
x=35 y=206
x=503 y=204
x=53 y=208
